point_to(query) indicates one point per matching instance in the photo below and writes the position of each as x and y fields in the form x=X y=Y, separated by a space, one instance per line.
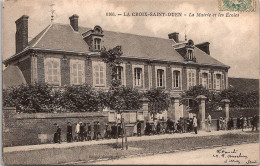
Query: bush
x=158 y=100
x=34 y=97
x=82 y=98
x=123 y=98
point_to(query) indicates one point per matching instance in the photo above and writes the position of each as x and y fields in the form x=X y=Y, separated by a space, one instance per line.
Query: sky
x=233 y=40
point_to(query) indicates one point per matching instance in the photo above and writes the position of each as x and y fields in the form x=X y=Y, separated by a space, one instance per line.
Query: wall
x=25 y=67
x=29 y=129
x=65 y=80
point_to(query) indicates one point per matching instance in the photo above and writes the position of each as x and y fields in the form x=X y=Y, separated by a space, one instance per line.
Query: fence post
x=202 y=110
x=226 y=102
x=174 y=109
x=145 y=109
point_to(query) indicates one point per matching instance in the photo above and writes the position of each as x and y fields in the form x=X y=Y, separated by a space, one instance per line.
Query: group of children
x=181 y=126
x=85 y=132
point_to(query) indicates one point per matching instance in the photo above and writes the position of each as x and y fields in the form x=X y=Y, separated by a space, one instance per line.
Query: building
x=67 y=54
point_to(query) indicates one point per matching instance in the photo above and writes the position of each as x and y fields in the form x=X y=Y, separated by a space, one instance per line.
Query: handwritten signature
x=232 y=156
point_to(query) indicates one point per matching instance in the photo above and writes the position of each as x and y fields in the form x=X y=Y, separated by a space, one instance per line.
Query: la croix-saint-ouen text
x=172 y=14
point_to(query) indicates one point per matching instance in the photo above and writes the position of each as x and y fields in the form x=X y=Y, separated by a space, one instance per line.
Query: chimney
x=21 y=35
x=174 y=36
x=204 y=47
x=74 y=22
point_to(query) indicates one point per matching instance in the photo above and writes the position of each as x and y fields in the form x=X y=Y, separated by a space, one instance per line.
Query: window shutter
x=188 y=79
x=214 y=81
x=101 y=76
x=122 y=75
x=58 y=71
x=200 y=78
x=222 y=82
x=95 y=74
x=46 y=70
x=193 y=79
x=209 y=80
x=83 y=72
x=71 y=72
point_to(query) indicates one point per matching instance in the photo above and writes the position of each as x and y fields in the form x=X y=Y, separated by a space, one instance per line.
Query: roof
x=204 y=58
x=201 y=56
x=12 y=76
x=61 y=37
x=244 y=84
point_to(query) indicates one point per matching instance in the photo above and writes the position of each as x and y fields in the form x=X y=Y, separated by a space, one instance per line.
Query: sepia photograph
x=130 y=82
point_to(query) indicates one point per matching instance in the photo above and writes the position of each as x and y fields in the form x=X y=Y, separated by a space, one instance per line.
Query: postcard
x=135 y=82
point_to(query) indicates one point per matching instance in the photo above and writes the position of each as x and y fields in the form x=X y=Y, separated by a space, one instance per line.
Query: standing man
x=77 y=131
x=195 y=124
x=95 y=131
x=69 y=132
x=139 y=127
x=241 y=120
x=255 y=122
x=57 y=134
x=218 y=124
x=88 y=131
x=81 y=131
x=98 y=130
x=208 y=122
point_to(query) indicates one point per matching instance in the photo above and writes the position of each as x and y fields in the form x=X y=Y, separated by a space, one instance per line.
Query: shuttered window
x=218 y=81
x=191 y=74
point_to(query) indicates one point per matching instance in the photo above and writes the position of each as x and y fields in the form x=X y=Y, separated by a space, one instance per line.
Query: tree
x=158 y=100
x=212 y=101
x=113 y=58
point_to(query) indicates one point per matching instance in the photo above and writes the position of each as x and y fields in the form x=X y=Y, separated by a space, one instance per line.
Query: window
x=222 y=82
x=218 y=81
x=205 y=80
x=97 y=44
x=120 y=74
x=214 y=81
x=52 y=71
x=77 y=72
x=191 y=78
x=190 y=54
x=99 y=72
x=176 y=79
x=210 y=81
x=138 y=76
x=160 y=78
x=150 y=76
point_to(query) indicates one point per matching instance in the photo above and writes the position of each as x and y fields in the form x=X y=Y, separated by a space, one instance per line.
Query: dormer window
x=94 y=38
x=97 y=44
x=190 y=54
x=189 y=51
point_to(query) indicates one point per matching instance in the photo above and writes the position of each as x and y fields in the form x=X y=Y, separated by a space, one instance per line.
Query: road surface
x=245 y=154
